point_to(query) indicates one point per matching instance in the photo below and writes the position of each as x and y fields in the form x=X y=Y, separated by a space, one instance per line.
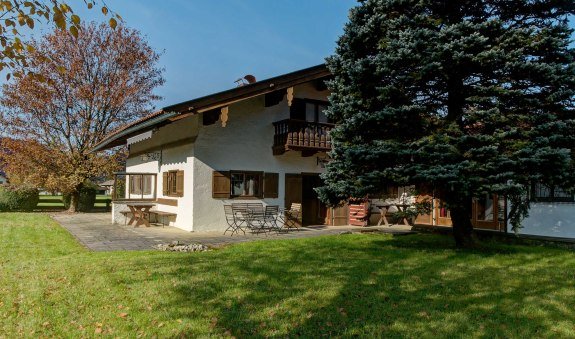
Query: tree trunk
x=74 y=199
x=462 y=227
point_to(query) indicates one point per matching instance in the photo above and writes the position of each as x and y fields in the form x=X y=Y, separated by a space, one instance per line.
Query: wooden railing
x=299 y=135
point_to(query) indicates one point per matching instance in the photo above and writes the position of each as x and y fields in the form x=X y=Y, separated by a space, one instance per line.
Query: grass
x=54 y=202
x=349 y=285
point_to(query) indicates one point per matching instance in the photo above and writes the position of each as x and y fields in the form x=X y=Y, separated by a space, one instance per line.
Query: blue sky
x=208 y=44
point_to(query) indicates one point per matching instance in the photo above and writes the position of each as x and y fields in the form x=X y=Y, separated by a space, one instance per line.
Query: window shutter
x=271 y=185
x=180 y=183
x=221 y=188
x=165 y=184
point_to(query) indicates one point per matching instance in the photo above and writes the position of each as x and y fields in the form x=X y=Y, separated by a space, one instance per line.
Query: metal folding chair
x=257 y=217
x=271 y=217
x=232 y=221
x=240 y=215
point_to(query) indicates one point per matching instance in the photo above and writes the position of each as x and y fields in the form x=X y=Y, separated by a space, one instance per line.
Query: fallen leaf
x=123 y=315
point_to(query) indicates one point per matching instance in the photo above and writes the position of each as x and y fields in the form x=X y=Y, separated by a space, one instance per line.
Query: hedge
x=14 y=198
x=87 y=199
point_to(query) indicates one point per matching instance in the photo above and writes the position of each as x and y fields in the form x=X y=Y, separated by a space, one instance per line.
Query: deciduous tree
x=470 y=97
x=83 y=88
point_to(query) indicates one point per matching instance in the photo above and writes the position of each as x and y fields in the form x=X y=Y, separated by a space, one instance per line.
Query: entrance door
x=293 y=190
x=314 y=212
x=299 y=188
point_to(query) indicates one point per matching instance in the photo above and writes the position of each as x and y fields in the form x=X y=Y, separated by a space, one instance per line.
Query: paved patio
x=95 y=232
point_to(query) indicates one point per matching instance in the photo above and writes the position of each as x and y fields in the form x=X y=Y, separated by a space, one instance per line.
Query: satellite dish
x=250 y=78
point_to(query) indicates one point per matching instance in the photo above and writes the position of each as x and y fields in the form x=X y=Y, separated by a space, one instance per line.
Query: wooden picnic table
x=383 y=208
x=139 y=213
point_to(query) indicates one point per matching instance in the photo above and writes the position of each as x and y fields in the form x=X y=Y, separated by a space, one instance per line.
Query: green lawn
x=365 y=285
x=54 y=202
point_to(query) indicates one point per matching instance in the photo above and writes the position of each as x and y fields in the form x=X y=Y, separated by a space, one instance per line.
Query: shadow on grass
x=374 y=285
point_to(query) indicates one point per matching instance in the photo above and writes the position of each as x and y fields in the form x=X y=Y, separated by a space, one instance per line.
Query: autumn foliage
x=82 y=89
x=19 y=17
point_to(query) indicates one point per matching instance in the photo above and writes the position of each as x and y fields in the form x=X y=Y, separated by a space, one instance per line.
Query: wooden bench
x=125 y=214
x=163 y=215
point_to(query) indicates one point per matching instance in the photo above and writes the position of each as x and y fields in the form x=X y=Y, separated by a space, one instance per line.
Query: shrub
x=18 y=198
x=87 y=198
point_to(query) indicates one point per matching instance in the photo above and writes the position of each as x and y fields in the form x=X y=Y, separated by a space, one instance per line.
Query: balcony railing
x=299 y=135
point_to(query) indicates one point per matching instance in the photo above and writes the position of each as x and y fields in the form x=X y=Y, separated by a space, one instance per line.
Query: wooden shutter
x=165 y=184
x=221 y=187
x=271 y=185
x=180 y=183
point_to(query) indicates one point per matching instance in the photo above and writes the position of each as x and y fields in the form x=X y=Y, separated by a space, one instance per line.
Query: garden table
x=139 y=212
x=384 y=208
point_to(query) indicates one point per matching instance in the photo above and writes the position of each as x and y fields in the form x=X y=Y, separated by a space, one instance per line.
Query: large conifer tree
x=470 y=97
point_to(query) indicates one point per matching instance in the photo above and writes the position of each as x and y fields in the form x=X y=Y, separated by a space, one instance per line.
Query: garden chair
x=234 y=224
x=240 y=214
x=257 y=217
x=271 y=216
x=291 y=218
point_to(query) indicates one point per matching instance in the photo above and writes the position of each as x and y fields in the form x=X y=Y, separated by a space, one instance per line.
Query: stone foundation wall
x=117 y=208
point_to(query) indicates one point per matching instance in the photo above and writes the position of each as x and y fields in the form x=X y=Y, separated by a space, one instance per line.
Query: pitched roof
x=175 y=112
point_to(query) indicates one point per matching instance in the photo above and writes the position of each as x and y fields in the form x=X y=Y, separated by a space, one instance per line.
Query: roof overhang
x=184 y=109
x=119 y=138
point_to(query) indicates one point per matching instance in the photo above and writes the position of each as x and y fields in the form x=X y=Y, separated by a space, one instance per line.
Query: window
x=173 y=184
x=309 y=110
x=545 y=193
x=141 y=184
x=246 y=184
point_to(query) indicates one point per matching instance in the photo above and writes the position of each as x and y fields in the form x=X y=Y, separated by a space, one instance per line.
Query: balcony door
x=309 y=110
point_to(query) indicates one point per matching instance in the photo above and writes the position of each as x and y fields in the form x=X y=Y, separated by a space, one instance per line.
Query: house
x=263 y=141
x=106 y=187
x=268 y=141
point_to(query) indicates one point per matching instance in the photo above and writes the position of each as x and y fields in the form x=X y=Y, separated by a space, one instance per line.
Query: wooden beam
x=224 y=115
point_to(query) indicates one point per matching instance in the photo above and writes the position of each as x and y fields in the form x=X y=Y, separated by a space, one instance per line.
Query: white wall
x=244 y=144
x=172 y=158
x=550 y=219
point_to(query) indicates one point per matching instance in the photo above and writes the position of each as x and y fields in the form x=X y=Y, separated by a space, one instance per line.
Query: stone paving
x=96 y=232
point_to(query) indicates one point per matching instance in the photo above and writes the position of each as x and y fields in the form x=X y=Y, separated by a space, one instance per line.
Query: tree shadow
x=373 y=285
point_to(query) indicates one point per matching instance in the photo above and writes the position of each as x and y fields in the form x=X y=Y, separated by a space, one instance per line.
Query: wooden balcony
x=299 y=135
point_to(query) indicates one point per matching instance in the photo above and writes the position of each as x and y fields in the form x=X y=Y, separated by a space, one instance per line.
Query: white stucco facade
x=245 y=144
